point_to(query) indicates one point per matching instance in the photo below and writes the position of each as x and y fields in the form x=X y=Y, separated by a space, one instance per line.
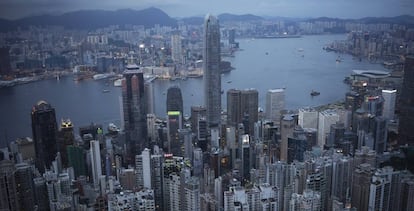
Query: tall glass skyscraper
x=135 y=112
x=407 y=103
x=174 y=123
x=211 y=67
x=44 y=129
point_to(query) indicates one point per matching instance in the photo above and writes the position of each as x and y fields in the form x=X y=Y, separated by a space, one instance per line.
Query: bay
x=299 y=64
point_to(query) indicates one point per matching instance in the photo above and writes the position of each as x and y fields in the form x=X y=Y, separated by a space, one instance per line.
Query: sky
x=13 y=9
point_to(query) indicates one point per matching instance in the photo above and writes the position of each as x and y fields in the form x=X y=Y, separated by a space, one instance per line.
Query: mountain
x=230 y=17
x=193 y=20
x=92 y=19
x=407 y=20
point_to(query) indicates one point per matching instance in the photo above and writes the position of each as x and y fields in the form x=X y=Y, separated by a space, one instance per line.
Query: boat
x=103 y=76
x=338 y=59
x=314 y=93
x=118 y=82
x=229 y=82
x=105 y=90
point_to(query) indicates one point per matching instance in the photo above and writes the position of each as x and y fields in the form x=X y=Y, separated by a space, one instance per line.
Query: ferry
x=314 y=93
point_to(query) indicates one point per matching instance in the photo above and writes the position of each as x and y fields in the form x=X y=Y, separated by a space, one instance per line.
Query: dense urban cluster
x=352 y=155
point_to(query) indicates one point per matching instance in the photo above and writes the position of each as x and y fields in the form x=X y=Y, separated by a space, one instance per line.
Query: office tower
x=212 y=72
x=8 y=187
x=297 y=145
x=308 y=118
x=286 y=130
x=196 y=113
x=134 y=110
x=308 y=201
x=76 y=159
x=152 y=128
x=336 y=135
x=149 y=97
x=174 y=123
x=388 y=110
x=44 y=129
x=373 y=104
x=326 y=119
x=66 y=137
x=176 y=50
x=96 y=162
x=40 y=192
x=246 y=156
x=202 y=133
x=352 y=101
x=5 y=67
x=405 y=128
x=317 y=181
x=187 y=137
x=361 y=185
x=275 y=103
x=24 y=187
x=240 y=104
x=143 y=169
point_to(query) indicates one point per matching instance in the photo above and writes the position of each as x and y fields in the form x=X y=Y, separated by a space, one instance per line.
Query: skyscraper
x=407 y=104
x=388 y=109
x=8 y=188
x=242 y=104
x=286 y=131
x=96 y=162
x=212 y=73
x=176 y=50
x=135 y=112
x=44 y=129
x=275 y=103
x=174 y=124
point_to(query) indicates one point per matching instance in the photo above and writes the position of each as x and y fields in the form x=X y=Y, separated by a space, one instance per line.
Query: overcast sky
x=13 y=9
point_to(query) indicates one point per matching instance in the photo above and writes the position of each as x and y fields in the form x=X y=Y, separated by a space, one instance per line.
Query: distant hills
x=93 y=19
x=407 y=20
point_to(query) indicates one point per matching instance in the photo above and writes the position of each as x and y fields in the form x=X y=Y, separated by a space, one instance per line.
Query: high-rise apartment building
x=275 y=103
x=44 y=129
x=212 y=72
x=406 y=125
x=176 y=49
x=134 y=111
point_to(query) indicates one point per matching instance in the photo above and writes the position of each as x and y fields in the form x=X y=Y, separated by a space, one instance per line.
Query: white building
x=388 y=110
x=308 y=118
x=325 y=120
x=275 y=103
x=96 y=162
